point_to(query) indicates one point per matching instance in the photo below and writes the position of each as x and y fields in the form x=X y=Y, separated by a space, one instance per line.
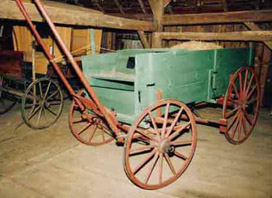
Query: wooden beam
x=224 y=36
x=70 y=16
x=119 y=6
x=255 y=27
x=141 y=3
x=144 y=39
x=157 y=7
x=213 y=18
x=264 y=71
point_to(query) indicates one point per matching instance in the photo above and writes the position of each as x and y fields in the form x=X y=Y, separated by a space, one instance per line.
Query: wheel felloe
x=88 y=127
x=42 y=103
x=241 y=105
x=160 y=145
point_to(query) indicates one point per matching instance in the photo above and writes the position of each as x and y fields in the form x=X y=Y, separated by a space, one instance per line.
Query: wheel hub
x=165 y=146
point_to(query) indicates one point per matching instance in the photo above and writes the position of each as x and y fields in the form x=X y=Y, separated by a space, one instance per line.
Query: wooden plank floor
x=51 y=163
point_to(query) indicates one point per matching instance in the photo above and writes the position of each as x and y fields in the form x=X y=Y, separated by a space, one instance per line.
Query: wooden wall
x=76 y=40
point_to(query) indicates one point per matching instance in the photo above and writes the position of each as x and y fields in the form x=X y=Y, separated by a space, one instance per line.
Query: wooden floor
x=51 y=163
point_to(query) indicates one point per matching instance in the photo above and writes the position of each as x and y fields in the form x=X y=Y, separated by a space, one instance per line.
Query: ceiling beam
x=213 y=18
x=68 y=15
x=214 y=36
x=254 y=27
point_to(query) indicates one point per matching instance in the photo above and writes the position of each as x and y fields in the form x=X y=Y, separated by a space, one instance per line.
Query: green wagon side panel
x=182 y=76
x=228 y=61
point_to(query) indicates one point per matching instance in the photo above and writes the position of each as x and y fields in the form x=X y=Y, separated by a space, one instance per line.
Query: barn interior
x=198 y=70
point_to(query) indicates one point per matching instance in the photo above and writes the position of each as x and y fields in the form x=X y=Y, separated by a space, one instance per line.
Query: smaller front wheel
x=87 y=127
x=160 y=144
x=42 y=103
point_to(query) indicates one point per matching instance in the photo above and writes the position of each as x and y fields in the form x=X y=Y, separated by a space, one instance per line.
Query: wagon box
x=129 y=80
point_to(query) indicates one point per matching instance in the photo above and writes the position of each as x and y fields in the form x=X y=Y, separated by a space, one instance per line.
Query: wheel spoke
x=152 y=166
x=178 y=154
x=240 y=84
x=235 y=128
x=39 y=115
x=174 y=122
x=249 y=120
x=228 y=114
x=160 y=168
x=182 y=142
x=251 y=101
x=103 y=136
x=40 y=87
x=34 y=112
x=153 y=122
x=234 y=119
x=144 y=162
x=141 y=149
x=165 y=120
x=45 y=116
x=168 y=160
x=251 y=91
x=53 y=94
x=240 y=128
x=249 y=84
x=145 y=134
x=176 y=133
x=235 y=90
x=47 y=89
x=244 y=125
x=245 y=82
x=79 y=121
x=52 y=112
x=57 y=102
x=84 y=128
x=234 y=101
x=92 y=133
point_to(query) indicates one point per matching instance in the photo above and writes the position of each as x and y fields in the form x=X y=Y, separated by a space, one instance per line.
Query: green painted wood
x=128 y=80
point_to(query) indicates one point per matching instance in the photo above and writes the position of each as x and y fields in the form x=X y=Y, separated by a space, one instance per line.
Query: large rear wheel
x=160 y=144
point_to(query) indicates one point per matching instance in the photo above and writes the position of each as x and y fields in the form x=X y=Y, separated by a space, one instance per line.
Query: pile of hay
x=196 y=45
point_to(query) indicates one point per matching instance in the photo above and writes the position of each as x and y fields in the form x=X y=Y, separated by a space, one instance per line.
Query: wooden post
x=264 y=71
x=156 y=40
x=144 y=39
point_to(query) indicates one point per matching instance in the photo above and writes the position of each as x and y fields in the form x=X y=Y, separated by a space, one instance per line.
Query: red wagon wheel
x=241 y=105
x=87 y=127
x=160 y=144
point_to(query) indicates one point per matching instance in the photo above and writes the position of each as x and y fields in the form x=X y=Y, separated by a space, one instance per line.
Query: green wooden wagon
x=145 y=99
